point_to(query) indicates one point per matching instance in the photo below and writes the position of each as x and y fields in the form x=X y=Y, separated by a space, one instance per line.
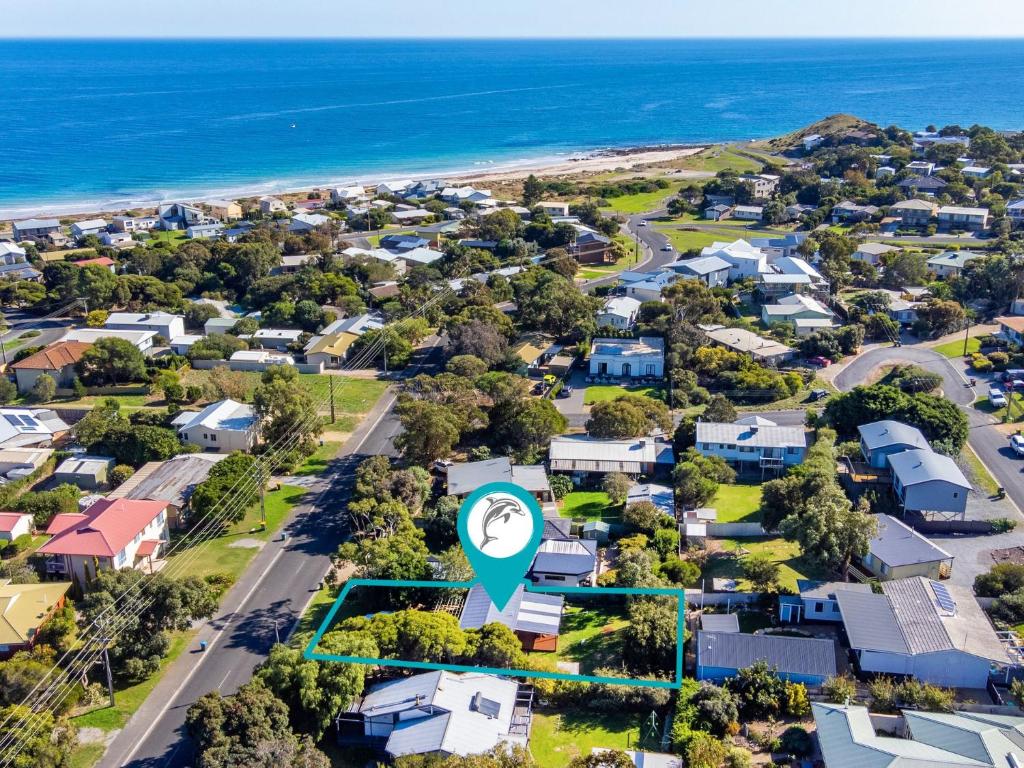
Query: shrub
x=797 y=703
x=1002 y=525
x=738 y=757
x=561 y=485
x=980 y=363
x=839 y=690
x=119 y=474
x=797 y=741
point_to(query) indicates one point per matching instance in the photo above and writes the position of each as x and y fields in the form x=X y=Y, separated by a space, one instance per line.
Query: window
x=122 y=556
x=792 y=450
x=138 y=537
x=552 y=577
x=956 y=494
x=819 y=607
x=213 y=438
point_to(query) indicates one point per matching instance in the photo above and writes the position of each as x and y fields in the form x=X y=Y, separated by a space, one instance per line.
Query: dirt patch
x=246 y=544
x=1013 y=555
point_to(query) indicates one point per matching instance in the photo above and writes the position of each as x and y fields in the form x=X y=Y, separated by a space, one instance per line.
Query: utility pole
x=106 y=666
x=331 y=382
x=263 y=501
x=967 y=331
x=385 y=355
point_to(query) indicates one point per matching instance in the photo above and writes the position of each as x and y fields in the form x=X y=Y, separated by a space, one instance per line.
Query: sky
x=512 y=18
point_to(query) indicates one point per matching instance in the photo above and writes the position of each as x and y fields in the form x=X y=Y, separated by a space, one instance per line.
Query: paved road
x=265 y=603
x=652 y=258
x=988 y=442
x=49 y=331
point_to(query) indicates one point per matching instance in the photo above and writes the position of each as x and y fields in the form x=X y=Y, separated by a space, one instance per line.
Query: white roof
x=262 y=356
x=421 y=255
x=621 y=306
x=583 y=452
x=876 y=249
x=792 y=265
x=186 y=341
x=224 y=416
x=28 y=426
x=92 y=335
x=956 y=210
x=743 y=340
x=751 y=435
x=141 y=318
x=645 y=345
x=290 y=334
x=90 y=224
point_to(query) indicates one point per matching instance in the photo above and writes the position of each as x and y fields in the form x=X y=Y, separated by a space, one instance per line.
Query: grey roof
x=525 y=611
x=84 y=465
x=172 y=481
x=957 y=259
x=870 y=623
x=791 y=655
x=918 y=466
x=565 y=557
x=751 y=435
x=897 y=544
x=828 y=589
x=557 y=528
x=922 y=182
x=704 y=265
x=720 y=622
x=466 y=478
x=591 y=454
x=882 y=434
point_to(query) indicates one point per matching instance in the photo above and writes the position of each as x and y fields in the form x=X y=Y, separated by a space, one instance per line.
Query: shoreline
x=593 y=161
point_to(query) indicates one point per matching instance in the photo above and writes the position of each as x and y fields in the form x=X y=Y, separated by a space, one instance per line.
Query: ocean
x=94 y=123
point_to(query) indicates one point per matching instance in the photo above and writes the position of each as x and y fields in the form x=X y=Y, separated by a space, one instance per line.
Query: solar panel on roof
x=485 y=706
x=28 y=421
x=13 y=419
x=942 y=596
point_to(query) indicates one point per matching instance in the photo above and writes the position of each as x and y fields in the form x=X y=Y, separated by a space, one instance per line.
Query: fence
x=736 y=530
x=253 y=365
x=916 y=521
x=696 y=598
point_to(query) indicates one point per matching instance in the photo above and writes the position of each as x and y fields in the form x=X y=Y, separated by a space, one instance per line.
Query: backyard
x=590 y=505
x=556 y=739
x=642 y=201
x=726 y=562
x=738 y=503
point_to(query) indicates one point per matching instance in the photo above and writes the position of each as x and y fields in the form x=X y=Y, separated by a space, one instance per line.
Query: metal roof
x=703 y=265
x=565 y=557
x=828 y=589
x=791 y=655
x=720 y=622
x=172 y=481
x=227 y=415
x=525 y=611
x=871 y=623
x=897 y=544
x=749 y=435
x=882 y=434
x=924 y=466
x=591 y=454
x=645 y=345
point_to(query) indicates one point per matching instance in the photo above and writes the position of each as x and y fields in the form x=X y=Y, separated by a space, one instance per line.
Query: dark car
x=538 y=388
x=564 y=391
x=817 y=394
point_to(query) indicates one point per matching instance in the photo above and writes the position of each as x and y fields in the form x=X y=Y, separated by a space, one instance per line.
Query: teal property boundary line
x=312 y=654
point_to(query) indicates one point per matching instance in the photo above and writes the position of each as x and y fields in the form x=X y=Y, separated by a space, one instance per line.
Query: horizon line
x=510 y=38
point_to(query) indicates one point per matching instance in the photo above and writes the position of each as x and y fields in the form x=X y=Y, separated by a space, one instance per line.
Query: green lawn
x=556 y=739
x=979 y=474
x=720 y=158
x=86 y=755
x=601 y=392
x=317 y=463
x=1016 y=401
x=592 y=505
x=739 y=503
x=316 y=612
x=786 y=553
x=642 y=201
x=176 y=235
x=591 y=637
x=956 y=348
x=688 y=240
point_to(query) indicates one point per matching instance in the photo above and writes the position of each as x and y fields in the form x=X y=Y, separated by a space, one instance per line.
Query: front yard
x=601 y=392
x=726 y=563
x=955 y=348
x=738 y=503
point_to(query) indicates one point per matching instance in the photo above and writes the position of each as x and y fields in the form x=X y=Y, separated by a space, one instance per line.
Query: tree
x=628 y=416
x=137 y=444
x=1002 y=578
x=20 y=674
x=705 y=751
x=430 y=430
x=119 y=474
x=904 y=268
x=8 y=390
x=97 y=318
x=44 y=389
x=635 y=568
x=315 y=691
x=937 y=317
x=693 y=486
x=216 y=346
x=683 y=572
x=609 y=758
x=46 y=741
x=761 y=572
x=467 y=366
x=286 y=411
x=495 y=645
x=829 y=530
x=226 y=493
x=525 y=425
x=222 y=382
x=652 y=634
x=834 y=251
x=401 y=555
x=167 y=605
x=720 y=410
x=533 y=189
x=644 y=516
x=717 y=709
x=549 y=302
x=111 y=361
x=759 y=689
x=617 y=486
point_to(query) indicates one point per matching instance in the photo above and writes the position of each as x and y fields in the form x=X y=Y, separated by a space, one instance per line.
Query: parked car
x=817 y=394
x=997 y=397
x=1017 y=444
x=1011 y=373
x=564 y=391
x=538 y=388
x=441 y=465
x=821 y=362
x=666 y=247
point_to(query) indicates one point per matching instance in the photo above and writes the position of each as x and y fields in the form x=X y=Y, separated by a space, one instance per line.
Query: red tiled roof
x=54 y=357
x=105 y=527
x=62 y=522
x=100 y=261
x=10 y=519
x=147 y=547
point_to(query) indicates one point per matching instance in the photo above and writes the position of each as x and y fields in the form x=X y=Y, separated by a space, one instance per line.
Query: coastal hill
x=833 y=125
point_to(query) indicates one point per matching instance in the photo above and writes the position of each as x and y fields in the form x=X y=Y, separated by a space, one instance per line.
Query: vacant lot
x=727 y=562
x=599 y=393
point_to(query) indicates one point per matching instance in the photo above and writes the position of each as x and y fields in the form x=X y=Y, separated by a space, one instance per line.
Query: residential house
x=456 y=195
x=22 y=462
x=274 y=338
x=860 y=138
x=646 y=286
x=764 y=184
x=812 y=141
x=14 y=525
x=534 y=617
x=752 y=446
x=11 y=253
x=131 y=224
x=929 y=483
x=271 y=205
x=744 y=259
x=162 y=324
x=394 y=188
x=307 y=222
x=174 y=216
x=25 y=609
x=563 y=558
x=720 y=622
x=720 y=200
x=435 y=234
x=903 y=311
x=225 y=210
x=773 y=285
x=223 y=426
x=933 y=631
x=921 y=167
x=618 y=312
x=721 y=655
x=816 y=601
x=102 y=261
x=596 y=530
x=881 y=439
x=952 y=263
x=57 y=361
x=87 y=472
x=592 y=248
x=871 y=253
x=257 y=359
x=582 y=454
x=796 y=308
x=897 y=551
x=748 y=212
x=81 y=229
x=535 y=350
x=346 y=195
x=760 y=349
x=464 y=478
x=330 y=350
x=710 y=270
x=292 y=263
x=15 y=268
x=884 y=172
x=718 y=212
x=553 y=207
x=924 y=185
x=219 y=324
x=798 y=210
x=357 y=324
x=438 y=713
x=775 y=248
x=399 y=243
x=661 y=496
x=30 y=428
x=849 y=211
x=1015 y=211
x=110 y=534
x=975 y=171
x=794 y=265
x=210 y=231
x=636 y=358
x=171 y=482
x=953 y=217
x=848 y=737
x=36 y=230
x=1012 y=329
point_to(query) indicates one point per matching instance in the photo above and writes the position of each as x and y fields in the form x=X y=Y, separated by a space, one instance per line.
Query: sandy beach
x=499 y=175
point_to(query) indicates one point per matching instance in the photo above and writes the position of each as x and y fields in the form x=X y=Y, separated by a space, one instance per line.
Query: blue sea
x=108 y=122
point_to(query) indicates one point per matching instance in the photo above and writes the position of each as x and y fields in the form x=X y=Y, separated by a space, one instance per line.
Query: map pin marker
x=500 y=526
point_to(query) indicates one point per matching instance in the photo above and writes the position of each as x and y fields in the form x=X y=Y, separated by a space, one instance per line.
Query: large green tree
x=111 y=361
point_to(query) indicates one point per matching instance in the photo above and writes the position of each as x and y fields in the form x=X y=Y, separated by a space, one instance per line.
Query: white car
x=642 y=223
x=666 y=247
x=1017 y=444
x=997 y=398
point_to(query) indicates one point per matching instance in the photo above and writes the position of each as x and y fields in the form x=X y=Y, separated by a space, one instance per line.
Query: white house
x=618 y=312
x=792 y=309
x=628 y=357
x=88 y=227
x=959 y=217
x=347 y=194
x=952 y=263
x=748 y=212
x=307 y=222
x=710 y=270
x=271 y=205
x=110 y=534
x=752 y=445
x=647 y=286
x=14 y=524
x=223 y=426
x=29 y=427
x=161 y=323
x=582 y=454
x=274 y=338
x=553 y=208
x=932 y=631
x=871 y=253
x=1015 y=211
x=744 y=259
x=397 y=188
